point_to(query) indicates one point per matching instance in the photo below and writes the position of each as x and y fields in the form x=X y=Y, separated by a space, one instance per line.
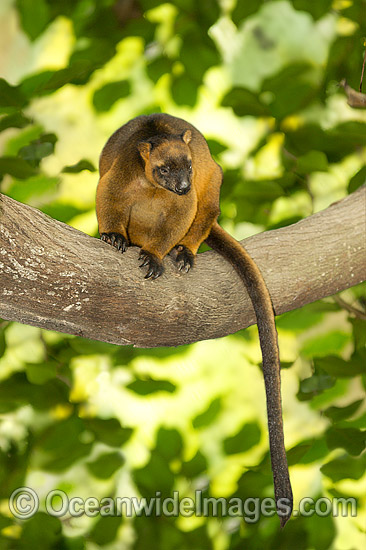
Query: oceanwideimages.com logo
x=24 y=503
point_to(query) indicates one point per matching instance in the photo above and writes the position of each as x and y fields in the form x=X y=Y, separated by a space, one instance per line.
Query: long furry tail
x=238 y=257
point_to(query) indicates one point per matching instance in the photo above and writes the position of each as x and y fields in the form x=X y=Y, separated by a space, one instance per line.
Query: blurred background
x=261 y=80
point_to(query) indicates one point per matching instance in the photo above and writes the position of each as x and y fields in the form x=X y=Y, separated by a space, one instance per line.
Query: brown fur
x=134 y=208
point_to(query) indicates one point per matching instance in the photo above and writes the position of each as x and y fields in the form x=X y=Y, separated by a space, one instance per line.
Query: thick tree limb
x=52 y=276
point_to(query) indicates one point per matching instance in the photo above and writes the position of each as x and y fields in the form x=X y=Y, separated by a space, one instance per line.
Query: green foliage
x=248 y=436
x=92 y=419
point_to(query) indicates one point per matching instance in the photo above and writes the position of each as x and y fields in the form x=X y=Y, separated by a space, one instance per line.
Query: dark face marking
x=174 y=174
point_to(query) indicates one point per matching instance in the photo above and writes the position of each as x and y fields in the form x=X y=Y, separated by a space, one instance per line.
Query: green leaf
x=307 y=451
x=34 y=16
x=36 y=151
x=325 y=344
x=317 y=9
x=322 y=533
x=335 y=366
x=295 y=455
x=155 y=476
x=25 y=137
x=306 y=316
x=14 y=464
x=194 y=467
x=149 y=386
x=245 y=103
x=350 y=439
x=42 y=531
x=169 y=443
x=83 y=164
x=11 y=96
x=207 y=57
x=60 y=445
x=84 y=346
x=108 y=431
x=259 y=191
x=17 y=391
x=184 y=91
x=291 y=89
x=2 y=342
x=248 y=437
x=105 y=97
x=106 y=465
x=340 y=413
x=49 y=81
x=34 y=187
x=39 y=373
x=105 y=530
x=359 y=333
x=208 y=416
x=313 y=385
x=158 y=67
x=60 y=211
x=216 y=147
x=16 y=167
x=336 y=143
x=357 y=180
x=345 y=467
x=243 y=10
x=313 y=161
x=15 y=120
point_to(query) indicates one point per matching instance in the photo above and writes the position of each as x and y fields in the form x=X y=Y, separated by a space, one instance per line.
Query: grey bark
x=55 y=277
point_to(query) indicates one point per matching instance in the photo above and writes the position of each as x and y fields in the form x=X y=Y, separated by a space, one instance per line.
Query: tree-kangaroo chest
x=150 y=220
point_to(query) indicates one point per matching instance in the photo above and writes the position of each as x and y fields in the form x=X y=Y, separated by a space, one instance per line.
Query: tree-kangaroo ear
x=187 y=136
x=144 y=147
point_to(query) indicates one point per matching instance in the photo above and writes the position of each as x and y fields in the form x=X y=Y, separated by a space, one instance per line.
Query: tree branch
x=55 y=277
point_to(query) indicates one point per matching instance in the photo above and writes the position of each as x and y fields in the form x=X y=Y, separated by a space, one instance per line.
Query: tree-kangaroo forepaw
x=184 y=258
x=115 y=239
x=154 y=265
